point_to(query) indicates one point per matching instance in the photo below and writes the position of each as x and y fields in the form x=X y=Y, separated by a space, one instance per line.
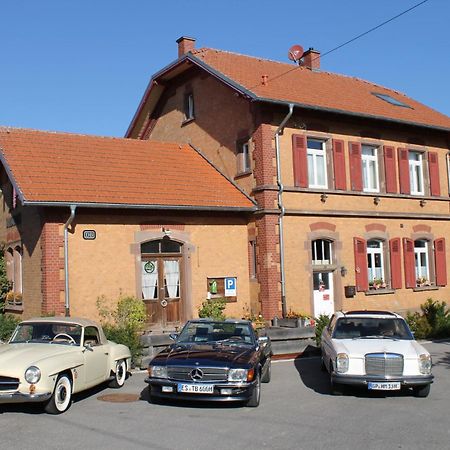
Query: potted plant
x=422 y=281
x=377 y=283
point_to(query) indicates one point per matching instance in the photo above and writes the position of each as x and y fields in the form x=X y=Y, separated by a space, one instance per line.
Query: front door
x=161 y=289
x=323 y=293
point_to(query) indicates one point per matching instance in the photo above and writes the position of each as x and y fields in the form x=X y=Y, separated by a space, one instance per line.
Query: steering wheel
x=64 y=335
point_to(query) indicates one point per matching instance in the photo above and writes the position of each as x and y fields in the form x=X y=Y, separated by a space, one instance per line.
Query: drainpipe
x=66 y=259
x=281 y=208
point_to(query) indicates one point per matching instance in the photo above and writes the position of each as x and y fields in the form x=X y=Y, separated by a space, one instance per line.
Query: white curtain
x=149 y=272
x=172 y=275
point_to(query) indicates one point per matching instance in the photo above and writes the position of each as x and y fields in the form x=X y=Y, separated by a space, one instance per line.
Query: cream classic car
x=49 y=359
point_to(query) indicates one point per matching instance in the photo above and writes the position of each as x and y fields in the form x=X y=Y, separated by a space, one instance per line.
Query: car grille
x=209 y=373
x=8 y=384
x=384 y=364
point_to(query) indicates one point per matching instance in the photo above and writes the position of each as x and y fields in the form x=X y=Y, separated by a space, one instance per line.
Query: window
x=448 y=171
x=243 y=157
x=189 y=106
x=14 y=268
x=317 y=164
x=416 y=173
x=321 y=252
x=375 y=264
x=391 y=100
x=369 y=156
x=421 y=260
x=252 y=250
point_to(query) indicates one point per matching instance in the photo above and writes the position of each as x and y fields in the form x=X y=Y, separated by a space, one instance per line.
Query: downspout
x=66 y=259
x=281 y=208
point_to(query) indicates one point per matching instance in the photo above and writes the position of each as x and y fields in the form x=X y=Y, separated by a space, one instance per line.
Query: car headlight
x=32 y=375
x=157 y=371
x=425 y=364
x=241 y=375
x=342 y=363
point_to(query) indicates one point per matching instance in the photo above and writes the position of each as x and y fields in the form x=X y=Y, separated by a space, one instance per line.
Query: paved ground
x=296 y=411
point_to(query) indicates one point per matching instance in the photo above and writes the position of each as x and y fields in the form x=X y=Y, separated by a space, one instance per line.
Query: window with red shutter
x=300 y=161
x=433 y=168
x=440 y=262
x=396 y=263
x=339 y=165
x=361 y=274
x=403 y=171
x=408 y=258
x=390 y=170
x=355 y=166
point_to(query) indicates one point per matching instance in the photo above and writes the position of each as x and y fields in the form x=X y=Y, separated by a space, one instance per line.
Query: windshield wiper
x=379 y=336
x=232 y=340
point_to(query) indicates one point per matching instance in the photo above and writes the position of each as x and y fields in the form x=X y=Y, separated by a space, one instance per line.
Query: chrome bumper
x=365 y=379
x=19 y=397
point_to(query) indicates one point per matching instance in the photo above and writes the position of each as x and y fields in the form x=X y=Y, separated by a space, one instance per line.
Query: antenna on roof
x=295 y=53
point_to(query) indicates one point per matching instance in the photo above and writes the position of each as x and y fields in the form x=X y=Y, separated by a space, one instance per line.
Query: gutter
x=66 y=259
x=281 y=209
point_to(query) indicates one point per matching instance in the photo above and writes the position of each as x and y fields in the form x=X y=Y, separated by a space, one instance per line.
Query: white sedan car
x=49 y=359
x=375 y=349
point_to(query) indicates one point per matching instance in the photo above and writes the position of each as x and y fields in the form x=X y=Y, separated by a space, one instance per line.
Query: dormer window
x=189 y=107
x=391 y=100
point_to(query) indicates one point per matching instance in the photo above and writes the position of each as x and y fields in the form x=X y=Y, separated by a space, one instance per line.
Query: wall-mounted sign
x=230 y=287
x=89 y=235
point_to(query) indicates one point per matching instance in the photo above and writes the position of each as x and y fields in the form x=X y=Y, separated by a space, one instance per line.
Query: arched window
x=375 y=263
x=321 y=250
x=17 y=280
x=164 y=245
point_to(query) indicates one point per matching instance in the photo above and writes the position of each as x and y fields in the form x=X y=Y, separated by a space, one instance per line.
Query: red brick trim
x=376 y=227
x=264 y=156
x=322 y=226
x=52 y=265
x=419 y=228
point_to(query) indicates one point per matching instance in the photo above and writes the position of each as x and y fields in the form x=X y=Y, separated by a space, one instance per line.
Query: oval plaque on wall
x=89 y=235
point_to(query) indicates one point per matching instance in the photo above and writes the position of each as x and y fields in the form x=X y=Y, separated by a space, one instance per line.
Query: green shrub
x=321 y=322
x=124 y=323
x=5 y=284
x=433 y=322
x=419 y=325
x=213 y=309
x=7 y=325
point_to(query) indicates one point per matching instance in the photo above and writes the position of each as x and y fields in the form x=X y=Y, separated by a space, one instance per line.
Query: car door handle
x=106 y=353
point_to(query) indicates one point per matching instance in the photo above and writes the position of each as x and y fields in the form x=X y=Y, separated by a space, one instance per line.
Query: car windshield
x=371 y=328
x=216 y=332
x=47 y=332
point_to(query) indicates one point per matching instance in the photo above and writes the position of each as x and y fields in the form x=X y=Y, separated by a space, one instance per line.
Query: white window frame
x=189 y=105
x=418 y=251
x=314 y=153
x=416 y=168
x=371 y=254
x=367 y=162
x=448 y=171
x=244 y=157
x=322 y=243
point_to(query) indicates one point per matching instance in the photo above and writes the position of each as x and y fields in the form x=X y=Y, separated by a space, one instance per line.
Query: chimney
x=185 y=44
x=311 y=59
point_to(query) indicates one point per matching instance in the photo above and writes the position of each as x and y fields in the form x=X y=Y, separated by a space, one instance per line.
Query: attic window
x=391 y=100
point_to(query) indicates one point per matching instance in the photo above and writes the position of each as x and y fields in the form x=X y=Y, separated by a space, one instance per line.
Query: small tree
x=212 y=309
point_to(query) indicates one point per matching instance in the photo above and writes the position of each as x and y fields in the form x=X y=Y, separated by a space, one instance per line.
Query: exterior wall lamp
x=422 y=203
x=323 y=198
x=343 y=271
x=377 y=200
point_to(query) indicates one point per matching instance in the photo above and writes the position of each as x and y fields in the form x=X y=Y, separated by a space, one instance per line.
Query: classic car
x=49 y=359
x=377 y=350
x=212 y=360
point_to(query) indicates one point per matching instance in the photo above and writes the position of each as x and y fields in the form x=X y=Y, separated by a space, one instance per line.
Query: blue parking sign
x=230 y=287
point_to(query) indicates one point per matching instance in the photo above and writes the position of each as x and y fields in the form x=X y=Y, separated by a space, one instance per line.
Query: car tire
x=422 y=391
x=335 y=388
x=120 y=375
x=267 y=375
x=61 y=399
x=253 y=402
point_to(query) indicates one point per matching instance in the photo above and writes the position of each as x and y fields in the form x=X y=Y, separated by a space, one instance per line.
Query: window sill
x=17 y=308
x=425 y=288
x=380 y=291
x=186 y=121
x=243 y=174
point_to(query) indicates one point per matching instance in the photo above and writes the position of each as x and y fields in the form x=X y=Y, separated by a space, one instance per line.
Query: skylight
x=391 y=100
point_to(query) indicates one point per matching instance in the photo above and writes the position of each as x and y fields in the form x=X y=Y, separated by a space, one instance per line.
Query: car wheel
x=422 y=391
x=256 y=393
x=335 y=388
x=268 y=372
x=62 y=396
x=120 y=375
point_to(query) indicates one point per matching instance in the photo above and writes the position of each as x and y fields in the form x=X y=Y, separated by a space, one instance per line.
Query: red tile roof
x=59 y=167
x=291 y=83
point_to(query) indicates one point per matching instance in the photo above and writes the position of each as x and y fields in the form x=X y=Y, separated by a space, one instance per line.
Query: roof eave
x=11 y=176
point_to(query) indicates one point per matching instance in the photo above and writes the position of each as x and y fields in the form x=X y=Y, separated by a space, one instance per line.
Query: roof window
x=391 y=100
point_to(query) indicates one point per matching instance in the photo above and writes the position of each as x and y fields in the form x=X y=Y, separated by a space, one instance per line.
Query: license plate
x=384 y=386
x=196 y=388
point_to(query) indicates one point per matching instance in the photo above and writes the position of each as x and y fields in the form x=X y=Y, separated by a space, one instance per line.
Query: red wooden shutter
x=403 y=170
x=355 y=166
x=441 y=265
x=410 y=267
x=433 y=166
x=390 y=170
x=396 y=263
x=300 y=160
x=339 y=165
x=361 y=275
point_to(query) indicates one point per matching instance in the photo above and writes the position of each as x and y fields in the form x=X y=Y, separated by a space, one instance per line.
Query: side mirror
x=173 y=336
x=88 y=347
x=263 y=340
